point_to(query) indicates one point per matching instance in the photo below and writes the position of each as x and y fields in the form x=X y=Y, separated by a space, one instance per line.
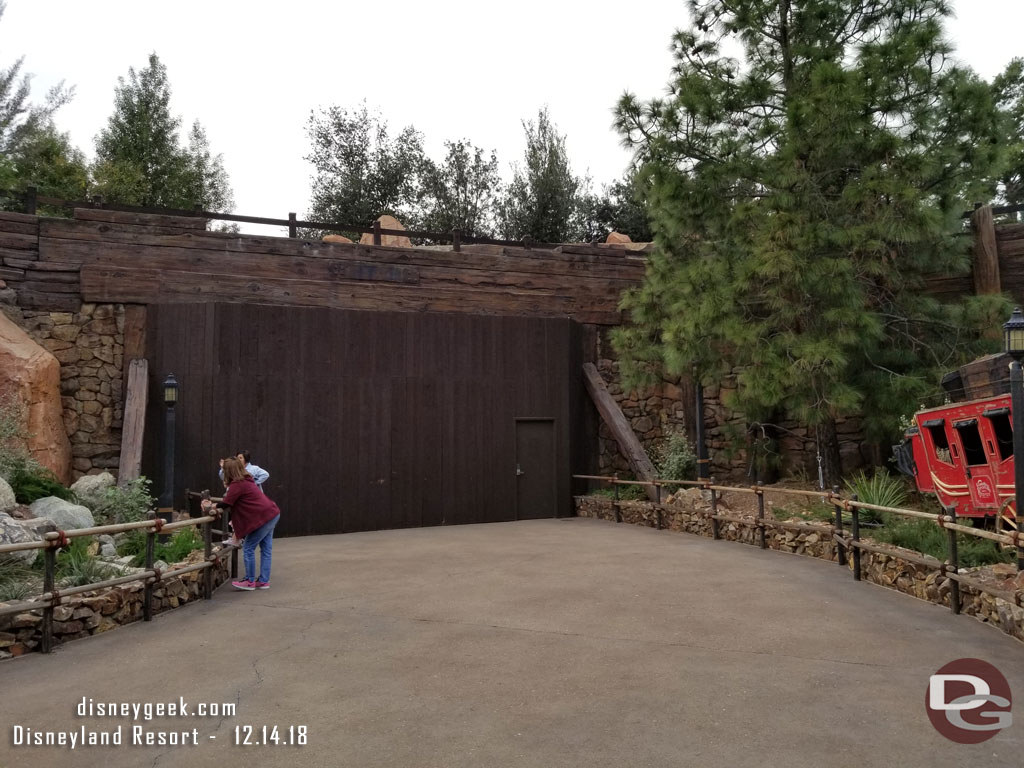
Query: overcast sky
x=252 y=71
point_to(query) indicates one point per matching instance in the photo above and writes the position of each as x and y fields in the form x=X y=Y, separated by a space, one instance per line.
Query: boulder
x=65 y=515
x=90 y=489
x=7 y=500
x=341 y=238
x=18 y=532
x=396 y=241
x=617 y=238
x=31 y=375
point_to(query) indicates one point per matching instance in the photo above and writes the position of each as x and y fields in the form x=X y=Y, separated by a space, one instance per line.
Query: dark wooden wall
x=365 y=420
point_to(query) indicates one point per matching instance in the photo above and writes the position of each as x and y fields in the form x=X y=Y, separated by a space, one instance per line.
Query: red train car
x=963 y=453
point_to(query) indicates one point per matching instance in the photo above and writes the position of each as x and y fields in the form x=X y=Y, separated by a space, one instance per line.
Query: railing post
x=234 y=550
x=615 y=504
x=456 y=241
x=49 y=577
x=31 y=199
x=376 y=232
x=855 y=538
x=293 y=230
x=657 y=509
x=715 y=534
x=840 y=549
x=954 y=567
x=147 y=592
x=208 y=556
x=760 y=515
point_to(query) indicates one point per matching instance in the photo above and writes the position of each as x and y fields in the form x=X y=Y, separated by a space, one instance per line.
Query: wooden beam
x=149 y=286
x=134 y=422
x=986 y=254
x=146 y=219
x=620 y=428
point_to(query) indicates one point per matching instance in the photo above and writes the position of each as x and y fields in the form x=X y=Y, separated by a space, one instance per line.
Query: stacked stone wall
x=667 y=408
x=89 y=344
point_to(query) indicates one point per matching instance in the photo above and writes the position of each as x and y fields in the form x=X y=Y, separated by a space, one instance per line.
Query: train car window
x=1000 y=421
x=970 y=439
x=939 y=440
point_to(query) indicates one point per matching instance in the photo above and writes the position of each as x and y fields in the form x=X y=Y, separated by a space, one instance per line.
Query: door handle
x=519 y=472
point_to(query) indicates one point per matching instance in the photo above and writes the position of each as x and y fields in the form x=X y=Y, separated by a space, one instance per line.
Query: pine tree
x=139 y=156
x=1010 y=92
x=801 y=194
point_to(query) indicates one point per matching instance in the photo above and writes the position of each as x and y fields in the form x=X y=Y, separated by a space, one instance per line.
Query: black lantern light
x=166 y=502
x=1013 y=335
x=171 y=388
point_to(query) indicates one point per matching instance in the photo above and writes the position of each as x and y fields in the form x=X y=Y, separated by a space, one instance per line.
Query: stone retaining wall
x=688 y=513
x=669 y=407
x=90 y=347
x=91 y=613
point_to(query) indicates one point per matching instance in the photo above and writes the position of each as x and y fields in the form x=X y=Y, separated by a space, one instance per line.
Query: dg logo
x=968 y=701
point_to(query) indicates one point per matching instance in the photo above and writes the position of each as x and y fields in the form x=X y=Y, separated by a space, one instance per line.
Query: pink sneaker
x=262 y=585
x=248 y=586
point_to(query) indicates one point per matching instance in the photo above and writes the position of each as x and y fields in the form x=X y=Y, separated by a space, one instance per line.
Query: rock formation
x=396 y=241
x=340 y=239
x=30 y=378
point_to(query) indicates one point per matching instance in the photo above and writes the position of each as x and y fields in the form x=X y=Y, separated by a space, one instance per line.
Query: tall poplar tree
x=139 y=156
x=808 y=169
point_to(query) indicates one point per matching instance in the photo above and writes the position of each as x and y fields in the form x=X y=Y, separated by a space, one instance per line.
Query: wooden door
x=536 y=478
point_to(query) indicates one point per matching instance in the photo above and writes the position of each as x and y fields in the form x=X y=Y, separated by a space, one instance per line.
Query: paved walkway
x=545 y=643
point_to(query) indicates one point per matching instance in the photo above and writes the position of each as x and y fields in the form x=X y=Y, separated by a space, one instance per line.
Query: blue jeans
x=264 y=537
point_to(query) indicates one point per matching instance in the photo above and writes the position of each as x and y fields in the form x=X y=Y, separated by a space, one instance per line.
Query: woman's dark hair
x=244 y=455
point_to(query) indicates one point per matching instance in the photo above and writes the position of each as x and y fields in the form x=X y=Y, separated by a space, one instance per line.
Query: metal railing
x=52 y=595
x=852 y=543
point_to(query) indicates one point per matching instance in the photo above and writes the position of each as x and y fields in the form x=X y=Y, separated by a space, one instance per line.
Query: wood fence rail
x=31 y=200
x=52 y=596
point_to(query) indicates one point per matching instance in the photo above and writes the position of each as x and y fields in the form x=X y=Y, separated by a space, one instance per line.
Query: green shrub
x=30 y=482
x=927 y=538
x=122 y=505
x=626 y=493
x=677 y=459
x=881 y=489
x=76 y=567
x=17 y=580
x=181 y=545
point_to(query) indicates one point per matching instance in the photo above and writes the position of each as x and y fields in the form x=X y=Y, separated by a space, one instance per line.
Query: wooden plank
x=118 y=285
x=68 y=278
x=134 y=426
x=51 y=287
x=211 y=262
x=18 y=241
x=134 y=331
x=25 y=218
x=509 y=260
x=20 y=227
x=145 y=219
x=51 y=302
x=620 y=427
x=10 y=273
x=986 y=255
x=20 y=255
x=40 y=266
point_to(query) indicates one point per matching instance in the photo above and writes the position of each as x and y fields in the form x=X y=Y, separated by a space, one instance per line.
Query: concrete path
x=545 y=643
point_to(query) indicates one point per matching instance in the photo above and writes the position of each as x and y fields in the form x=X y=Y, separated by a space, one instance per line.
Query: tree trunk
x=828 y=447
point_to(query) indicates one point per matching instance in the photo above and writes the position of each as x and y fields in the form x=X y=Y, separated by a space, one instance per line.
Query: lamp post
x=1013 y=343
x=166 y=502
